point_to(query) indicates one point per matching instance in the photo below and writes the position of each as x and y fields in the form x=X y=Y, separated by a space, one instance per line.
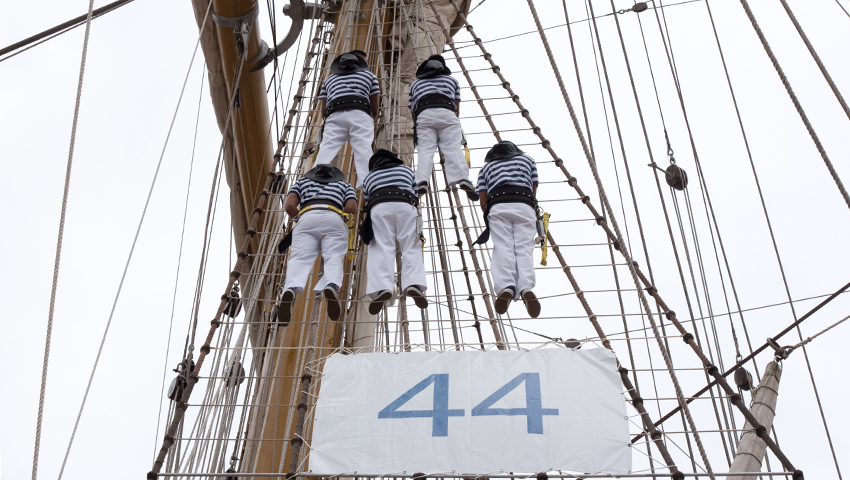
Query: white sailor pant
x=317 y=230
x=355 y=127
x=440 y=127
x=513 y=227
x=391 y=222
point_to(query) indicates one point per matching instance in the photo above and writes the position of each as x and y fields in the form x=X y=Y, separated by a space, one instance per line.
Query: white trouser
x=440 y=127
x=513 y=227
x=391 y=222
x=355 y=127
x=317 y=230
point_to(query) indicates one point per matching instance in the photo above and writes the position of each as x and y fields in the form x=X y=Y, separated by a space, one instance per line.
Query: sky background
x=138 y=57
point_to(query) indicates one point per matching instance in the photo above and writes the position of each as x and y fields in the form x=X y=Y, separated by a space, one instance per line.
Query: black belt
x=349 y=102
x=392 y=194
x=435 y=100
x=505 y=194
x=384 y=195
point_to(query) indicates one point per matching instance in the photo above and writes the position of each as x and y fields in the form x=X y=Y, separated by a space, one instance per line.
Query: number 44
x=440 y=411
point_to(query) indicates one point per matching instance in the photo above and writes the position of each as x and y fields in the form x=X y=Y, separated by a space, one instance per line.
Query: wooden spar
x=248 y=152
x=751 y=448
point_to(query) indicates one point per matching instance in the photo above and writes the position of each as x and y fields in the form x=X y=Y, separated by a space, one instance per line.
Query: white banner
x=471 y=412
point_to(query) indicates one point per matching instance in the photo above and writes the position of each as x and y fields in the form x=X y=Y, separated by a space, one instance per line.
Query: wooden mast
x=751 y=448
x=248 y=157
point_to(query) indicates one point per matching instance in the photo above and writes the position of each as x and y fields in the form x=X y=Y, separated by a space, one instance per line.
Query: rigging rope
x=785 y=82
x=179 y=258
x=787 y=350
x=135 y=238
x=623 y=250
x=59 y=245
x=796 y=102
x=54 y=32
x=815 y=55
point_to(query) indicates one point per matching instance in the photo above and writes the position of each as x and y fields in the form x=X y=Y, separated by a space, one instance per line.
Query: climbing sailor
x=391 y=217
x=507 y=186
x=319 y=201
x=349 y=102
x=435 y=103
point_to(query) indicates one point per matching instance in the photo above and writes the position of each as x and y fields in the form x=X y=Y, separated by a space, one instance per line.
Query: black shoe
x=504 y=299
x=532 y=305
x=284 y=311
x=417 y=295
x=378 y=301
x=469 y=188
x=332 y=297
x=422 y=188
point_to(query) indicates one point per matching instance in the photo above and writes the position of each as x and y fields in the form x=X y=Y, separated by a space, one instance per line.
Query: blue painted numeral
x=440 y=413
x=533 y=410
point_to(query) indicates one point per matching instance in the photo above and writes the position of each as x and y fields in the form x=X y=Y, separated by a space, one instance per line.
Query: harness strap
x=392 y=194
x=348 y=219
x=349 y=102
x=504 y=194
x=379 y=196
x=434 y=100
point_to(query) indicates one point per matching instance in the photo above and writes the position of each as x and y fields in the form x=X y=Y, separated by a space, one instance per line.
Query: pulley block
x=234 y=302
x=743 y=379
x=235 y=374
x=175 y=390
x=227 y=477
x=676 y=177
x=572 y=343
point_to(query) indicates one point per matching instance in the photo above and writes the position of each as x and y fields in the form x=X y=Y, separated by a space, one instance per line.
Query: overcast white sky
x=138 y=57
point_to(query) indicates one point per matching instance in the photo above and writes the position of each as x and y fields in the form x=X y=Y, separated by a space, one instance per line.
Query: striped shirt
x=363 y=84
x=306 y=189
x=520 y=170
x=399 y=176
x=443 y=84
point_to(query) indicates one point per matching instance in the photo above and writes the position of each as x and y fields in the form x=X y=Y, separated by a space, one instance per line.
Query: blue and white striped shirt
x=400 y=176
x=520 y=170
x=363 y=84
x=306 y=189
x=443 y=84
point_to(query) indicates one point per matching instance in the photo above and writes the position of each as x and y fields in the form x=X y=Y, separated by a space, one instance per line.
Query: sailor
x=391 y=217
x=319 y=200
x=507 y=186
x=435 y=103
x=349 y=102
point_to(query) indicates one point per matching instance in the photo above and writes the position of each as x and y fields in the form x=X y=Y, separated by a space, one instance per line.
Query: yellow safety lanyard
x=465 y=148
x=348 y=219
x=543 y=248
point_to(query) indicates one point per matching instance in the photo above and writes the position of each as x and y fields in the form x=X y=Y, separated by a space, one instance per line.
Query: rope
x=817 y=59
x=787 y=350
x=179 y=258
x=54 y=32
x=132 y=247
x=793 y=96
x=775 y=248
x=679 y=395
x=59 y=245
x=842 y=8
